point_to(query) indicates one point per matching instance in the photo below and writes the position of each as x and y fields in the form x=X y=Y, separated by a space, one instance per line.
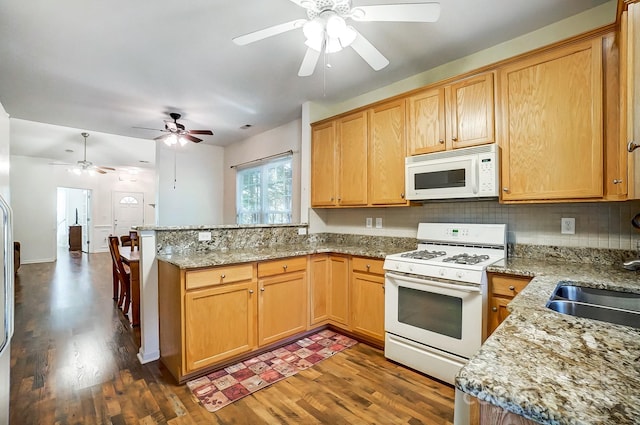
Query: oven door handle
x=431 y=282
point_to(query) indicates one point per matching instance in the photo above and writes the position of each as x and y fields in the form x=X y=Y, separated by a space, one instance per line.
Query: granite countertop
x=192 y=260
x=554 y=368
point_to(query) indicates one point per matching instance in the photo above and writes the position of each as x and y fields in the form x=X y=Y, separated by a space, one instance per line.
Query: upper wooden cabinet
x=323 y=162
x=630 y=94
x=387 y=151
x=552 y=120
x=352 y=159
x=358 y=159
x=454 y=116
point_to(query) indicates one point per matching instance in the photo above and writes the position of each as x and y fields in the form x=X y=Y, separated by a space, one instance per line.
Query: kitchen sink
x=622 y=308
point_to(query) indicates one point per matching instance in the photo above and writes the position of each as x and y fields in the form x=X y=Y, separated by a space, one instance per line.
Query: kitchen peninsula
x=553 y=368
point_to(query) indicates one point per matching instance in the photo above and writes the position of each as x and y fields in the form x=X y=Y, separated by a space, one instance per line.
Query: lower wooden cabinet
x=367 y=298
x=282 y=309
x=329 y=287
x=221 y=323
x=502 y=289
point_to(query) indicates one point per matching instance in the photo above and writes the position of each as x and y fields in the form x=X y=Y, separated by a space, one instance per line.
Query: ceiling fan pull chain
x=175 y=179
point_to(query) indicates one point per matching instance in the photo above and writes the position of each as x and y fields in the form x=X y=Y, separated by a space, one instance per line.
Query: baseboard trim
x=148 y=357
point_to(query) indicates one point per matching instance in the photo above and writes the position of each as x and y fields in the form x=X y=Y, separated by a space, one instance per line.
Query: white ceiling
x=110 y=66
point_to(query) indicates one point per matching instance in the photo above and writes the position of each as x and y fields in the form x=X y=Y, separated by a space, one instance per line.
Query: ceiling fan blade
x=193 y=139
x=369 y=53
x=309 y=63
x=105 y=168
x=97 y=170
x=268 y=32
x=207 y=132
x=408 y=12
x=147 y=128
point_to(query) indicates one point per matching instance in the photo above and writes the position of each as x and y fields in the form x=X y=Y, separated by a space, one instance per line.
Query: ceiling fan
x=177 y=133
x=84 y=165
x=326 y=29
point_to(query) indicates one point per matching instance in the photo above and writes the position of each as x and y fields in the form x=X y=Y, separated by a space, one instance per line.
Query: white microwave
x=461 y=173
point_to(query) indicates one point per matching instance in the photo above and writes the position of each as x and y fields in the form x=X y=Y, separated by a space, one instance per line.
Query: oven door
x=442 y=178
x=441 y=314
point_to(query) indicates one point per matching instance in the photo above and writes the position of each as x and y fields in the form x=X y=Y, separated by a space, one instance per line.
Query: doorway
x=73 y=217
x=128 y=211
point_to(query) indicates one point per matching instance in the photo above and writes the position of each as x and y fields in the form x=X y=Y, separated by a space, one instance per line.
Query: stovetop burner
x=424 y=254
x=466 y=259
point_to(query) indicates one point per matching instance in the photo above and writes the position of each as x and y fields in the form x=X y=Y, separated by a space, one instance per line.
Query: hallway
x=73 y=361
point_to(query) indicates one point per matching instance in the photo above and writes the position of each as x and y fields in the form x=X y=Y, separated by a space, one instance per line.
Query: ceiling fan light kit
x=176 y=133
x=326 y=28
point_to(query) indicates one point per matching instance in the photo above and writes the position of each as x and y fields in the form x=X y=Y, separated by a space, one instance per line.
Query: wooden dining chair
x=133 y=236
x=122 y=276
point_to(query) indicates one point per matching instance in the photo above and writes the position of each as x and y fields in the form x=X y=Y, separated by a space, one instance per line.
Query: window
x=264 y=193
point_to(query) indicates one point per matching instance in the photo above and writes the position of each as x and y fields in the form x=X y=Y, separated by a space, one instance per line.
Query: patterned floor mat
x=223 y=387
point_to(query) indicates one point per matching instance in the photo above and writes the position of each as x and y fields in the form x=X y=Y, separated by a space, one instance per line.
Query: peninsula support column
x=149 y=320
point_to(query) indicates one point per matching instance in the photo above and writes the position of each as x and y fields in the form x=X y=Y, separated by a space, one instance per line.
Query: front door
x=128 y=211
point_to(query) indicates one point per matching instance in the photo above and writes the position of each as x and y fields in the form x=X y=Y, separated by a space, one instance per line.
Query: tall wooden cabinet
x=352 y=143
x=552 y=124
x=630 y=94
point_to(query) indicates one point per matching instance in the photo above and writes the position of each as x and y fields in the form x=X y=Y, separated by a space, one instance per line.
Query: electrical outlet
x=204 y=236
x=568 y=226
x=302 y=230
x=369 y=223
x=378 y=222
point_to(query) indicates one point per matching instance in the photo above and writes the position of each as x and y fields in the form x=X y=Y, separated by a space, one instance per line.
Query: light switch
x=378 y=222
x=369 y=222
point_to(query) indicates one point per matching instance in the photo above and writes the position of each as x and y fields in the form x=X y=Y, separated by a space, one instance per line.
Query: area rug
x=223 y=387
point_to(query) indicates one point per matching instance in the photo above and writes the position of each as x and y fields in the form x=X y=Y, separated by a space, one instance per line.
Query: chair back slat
x=115 y=257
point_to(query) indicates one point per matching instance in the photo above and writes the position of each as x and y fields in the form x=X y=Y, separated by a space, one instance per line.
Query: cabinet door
x=219 y=323
x=282 y=310
x=323 y=161
x=426 y=122
x=470 y=108
x=339 y=290
x=631 y=64
x=352 y=148
x=367 y=304
x=387 y=151
x=497 y=312
x=319 y=288
x=552 y=125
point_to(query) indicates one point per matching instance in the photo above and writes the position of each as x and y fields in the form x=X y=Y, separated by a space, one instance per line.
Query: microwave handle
x=474 y=175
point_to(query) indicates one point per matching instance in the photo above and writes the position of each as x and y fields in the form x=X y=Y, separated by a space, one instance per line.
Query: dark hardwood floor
x=73 y=361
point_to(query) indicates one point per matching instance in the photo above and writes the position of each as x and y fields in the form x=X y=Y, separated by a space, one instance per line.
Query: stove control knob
x=410 y=268
x=442 y=272
x=460 y=275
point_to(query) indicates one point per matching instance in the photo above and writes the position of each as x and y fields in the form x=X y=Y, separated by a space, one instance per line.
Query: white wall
x=34 y=183
x=277 y=140
x=5 y=357
x=196 y=196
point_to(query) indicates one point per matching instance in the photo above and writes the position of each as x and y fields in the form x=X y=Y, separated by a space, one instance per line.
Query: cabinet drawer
x=218 y=275
x=367 y=265
x=285 y=265
x=507 y=285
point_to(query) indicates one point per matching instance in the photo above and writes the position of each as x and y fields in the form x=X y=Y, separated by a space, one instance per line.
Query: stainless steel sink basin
x=622 y=308
x=601 y=297
x=589 y=311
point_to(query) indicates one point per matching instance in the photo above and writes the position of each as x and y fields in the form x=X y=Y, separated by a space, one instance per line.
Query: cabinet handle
x=262 y=289
x=455 y=139
x=494 y=309
x=617 y=181
x=505 y=189
x=632 y=146
x=251 y=291
x=222 y=276
x=368 y=267
x=441 y=141
x=512 y=288
x=285 y=267
x=332 y=199
x=402 y=195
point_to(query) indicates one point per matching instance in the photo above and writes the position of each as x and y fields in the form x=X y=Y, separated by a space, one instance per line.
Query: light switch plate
x=378 y=222
x=204 y=236
x=369 y=222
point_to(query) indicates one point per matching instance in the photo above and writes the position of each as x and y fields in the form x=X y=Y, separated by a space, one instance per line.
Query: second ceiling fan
x=177 y=133
x=326 y=28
